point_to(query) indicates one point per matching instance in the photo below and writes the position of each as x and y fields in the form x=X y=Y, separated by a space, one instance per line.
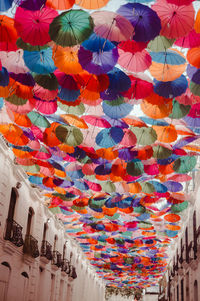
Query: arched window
x=5 y=271
x=55 y=242
x=195 y=234
x=11 y=211
x=196 y=290
x=29 y=221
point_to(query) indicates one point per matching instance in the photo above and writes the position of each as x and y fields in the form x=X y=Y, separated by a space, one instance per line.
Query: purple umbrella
x=173 y=186
x=97 y=55
x=145 y=21
x=30 y=4
x=193 y=74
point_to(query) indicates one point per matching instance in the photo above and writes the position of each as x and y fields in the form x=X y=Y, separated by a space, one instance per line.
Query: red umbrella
x=192 y=39
x=97 y=121
x=133 y=57
x=180 y=2
x=176 y=21
x=8 y=34
x=139 y=88
x=33 y=26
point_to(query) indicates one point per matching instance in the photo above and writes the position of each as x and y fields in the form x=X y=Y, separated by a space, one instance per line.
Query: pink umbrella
x=133 y=57
x=111 y=26
x=96 y=121
x=192 y=39
x=13 y=61
x=43 y=93
x=129 y=138
x=179 y=178
x=33 y=26
x=46 y=107
x=24 y=109
x=37 y=132
x=93 y=186
x=176 y=21
x=88 y=169
x=188 y=98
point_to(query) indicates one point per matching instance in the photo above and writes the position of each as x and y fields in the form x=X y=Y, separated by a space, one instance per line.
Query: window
x=11 y=212
x=55 y=242
x=182 y=290
x=196 y=290
x=5 y=271
x=29 y=222
x=52 y=287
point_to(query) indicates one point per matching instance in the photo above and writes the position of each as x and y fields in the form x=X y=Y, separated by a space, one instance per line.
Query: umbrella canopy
x=171 y=89
x=144 y=20
x=33 y=26
x=71 y=27
x=176 y=21
x=112 y=26
x=95 y=4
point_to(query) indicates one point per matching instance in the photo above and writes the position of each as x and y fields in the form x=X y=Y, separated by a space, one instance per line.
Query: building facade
x=38 y=260
x=182 y=281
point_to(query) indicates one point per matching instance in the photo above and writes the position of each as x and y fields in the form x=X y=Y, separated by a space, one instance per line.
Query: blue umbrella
x=169 y=57
x=160 y=188
x=5 y=5
x=171 y=89
x=4 y=77
x=67 y=94
x=116 y=111
x=40 y=62
x=109 y=137
x=103 y=169
x=118 y=80
x=145 y=21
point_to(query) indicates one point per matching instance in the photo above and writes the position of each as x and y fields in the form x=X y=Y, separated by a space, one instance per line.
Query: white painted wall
x=45 y=281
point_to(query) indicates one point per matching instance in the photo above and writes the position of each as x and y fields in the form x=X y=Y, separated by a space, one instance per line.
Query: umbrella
x=185 y=164
x=132 y=57
x=5 y=5
x=47 y=81
x=179 y=110
x=192 y=39
x=157 y=111
x=111 y=26
x=197 y=22
x=33 y=26
x=144 y=20
x=95 y=4
x=140 y=88
x=135 y=167
x=4 y=77
x=74 y=120
x=109 y=137
x=8 y=33
x=194 y=74
x=66 y=59
x=38 y=119
x=71 y=27
x=171 y=89
x=96 y=121
x=116 y=108
x=30 y=4
x=39 y=61
x=60 y=4
x=193 y=57
x=118 y=80
x=13 y=61
x=160 y=43
x=145 y=135
x=97 y=55
x=69 y=135
x=176 y=21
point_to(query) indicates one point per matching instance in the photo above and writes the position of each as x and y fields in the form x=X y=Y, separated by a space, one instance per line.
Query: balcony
x=31 y=246
x=14 y=233
x=57 y=259
x=46 y=250
x=65 y=266
x=190 y=252
x=72 y=272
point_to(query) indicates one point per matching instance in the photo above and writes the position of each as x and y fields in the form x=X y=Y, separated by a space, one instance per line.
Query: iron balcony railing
x=46 y=250
x=14 y=233
x=57 y=259
x=31 y=246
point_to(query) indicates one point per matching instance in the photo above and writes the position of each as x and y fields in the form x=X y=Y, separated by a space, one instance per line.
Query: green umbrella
x=108 y=187
x=179 y=110
x=71 y=28
x=16 y=100
x=69 y=134
x=55 y=210
x=47 y=81
x=160 y=43
x=139 y=209
x=38 y=119
x=144 y=225
x=179 y=207
x=96 y=204
x=113 y=217
x=184 y=164
x=26 y=46
x=161 y=152
x=31 y=168
x=195 y=88
x=116 y=102
x=75 y=110
x=147 y=187
x=135 y=167
x=145 y=135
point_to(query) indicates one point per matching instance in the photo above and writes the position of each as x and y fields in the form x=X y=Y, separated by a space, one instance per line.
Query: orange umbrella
x=132 y=187
x=172 y=217
x=74 y=120
x=193 y=55
x=13 y=134
x=8 y=90
x=22 y=154
x=60 y=4
x=197 y=22
x=165 y=134
x=49 y=136
x=20 y=119
x=94 y=4
x=8 y=33
x=107 y=153
x=66 y=59
x=157 y=111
